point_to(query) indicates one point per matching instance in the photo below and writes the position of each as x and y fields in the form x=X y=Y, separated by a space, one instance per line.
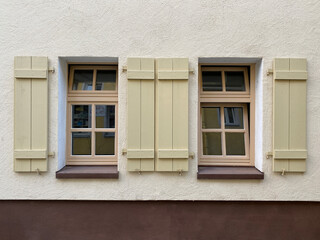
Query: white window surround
x=62 y=97
x=258 y=98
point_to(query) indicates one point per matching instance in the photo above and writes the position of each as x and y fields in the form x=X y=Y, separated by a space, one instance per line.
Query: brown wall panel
x=155 y=220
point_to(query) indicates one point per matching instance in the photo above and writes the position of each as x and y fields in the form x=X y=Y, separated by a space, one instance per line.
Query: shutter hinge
x=180 y=171
x=191 y=155
x=51 y=154
x=124 y=151
x=124 y=68
x=269 y=155
x=51 y=69
x=269 y=71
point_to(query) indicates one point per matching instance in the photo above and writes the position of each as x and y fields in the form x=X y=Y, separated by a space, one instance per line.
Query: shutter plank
x=39 y=114
x=147 y=115
x=281 y=115
x=180 y=115
x=164 y=115
x=298 y=111
x=22 y=114
x=134 y=114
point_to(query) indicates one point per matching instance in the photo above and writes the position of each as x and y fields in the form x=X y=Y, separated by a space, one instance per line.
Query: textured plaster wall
x=243 y=28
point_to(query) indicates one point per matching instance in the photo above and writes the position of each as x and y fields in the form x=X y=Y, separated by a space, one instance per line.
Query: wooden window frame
x=91 y=97
x=245 y=99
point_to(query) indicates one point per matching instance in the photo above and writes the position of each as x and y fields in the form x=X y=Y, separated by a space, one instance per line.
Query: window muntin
x=222 y=141
x=92 y=116
x=226 y=115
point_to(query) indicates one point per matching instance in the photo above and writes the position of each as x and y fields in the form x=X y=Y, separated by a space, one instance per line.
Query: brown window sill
x=229 y=173
x=88 y=172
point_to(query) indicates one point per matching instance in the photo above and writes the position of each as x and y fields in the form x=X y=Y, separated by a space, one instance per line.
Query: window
x=226 y=115
x=92 y=115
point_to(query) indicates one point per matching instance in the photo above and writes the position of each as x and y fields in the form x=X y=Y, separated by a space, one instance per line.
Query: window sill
x=110 y=172
x=229 y=173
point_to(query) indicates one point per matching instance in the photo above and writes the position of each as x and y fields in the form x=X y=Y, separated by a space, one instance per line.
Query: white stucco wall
x=161 y=28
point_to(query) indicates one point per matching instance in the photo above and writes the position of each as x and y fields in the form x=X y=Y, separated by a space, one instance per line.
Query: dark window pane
x=211 y=81
x=210 y=117
x=211 y=143
x=235 y=143
x=105 y=116
x=82 y=80
x=106 y=80
x=81 y=143
x=81 y=116
x=233 y=117
x=235 y=81
x=104 y=143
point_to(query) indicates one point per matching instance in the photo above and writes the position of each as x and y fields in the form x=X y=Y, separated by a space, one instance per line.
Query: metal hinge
x=269 y=71
x=269 y=155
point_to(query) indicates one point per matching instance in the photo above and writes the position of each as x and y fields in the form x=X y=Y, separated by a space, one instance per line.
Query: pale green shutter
x=172 y=114
x=140 y=153
x=30 y=114
x=289 y=115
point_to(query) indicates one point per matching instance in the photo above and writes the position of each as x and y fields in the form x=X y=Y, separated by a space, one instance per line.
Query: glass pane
x=81 y=116
x=211 y=81
x=106 y=80
x=104 y=143
x=235 y=143
x=235 y=81
x=105 y=116
x=81 y=143
x=82 y=80
x=211 y=143
x=210 y=117
x=233 y=117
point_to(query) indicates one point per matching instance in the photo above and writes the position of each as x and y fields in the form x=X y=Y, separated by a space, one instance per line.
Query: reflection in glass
x=104 y=143
x=211 y=143
x=81 y=143
x=105 y=116
x=106 y=80
x=82 y=80
x=235 y=81
x=210 y=117
x=211 y=81
x=235 y=143
x=81 y=116
x=233 y=117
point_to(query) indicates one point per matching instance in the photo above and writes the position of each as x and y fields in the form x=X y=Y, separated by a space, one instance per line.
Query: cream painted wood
x=294 y=75
x=31 y=114
x=31 y=74
x=140 y=153
x=140 y=114
x=176 y=153
x=139 y=74
x=293 y=154
x=289 y=136
x=172 y=114
x=27 y=154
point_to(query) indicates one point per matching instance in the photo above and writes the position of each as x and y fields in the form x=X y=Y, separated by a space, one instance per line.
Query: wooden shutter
x=172 y=114
x=289 y=115
x=30 y=114
x=140 y=153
